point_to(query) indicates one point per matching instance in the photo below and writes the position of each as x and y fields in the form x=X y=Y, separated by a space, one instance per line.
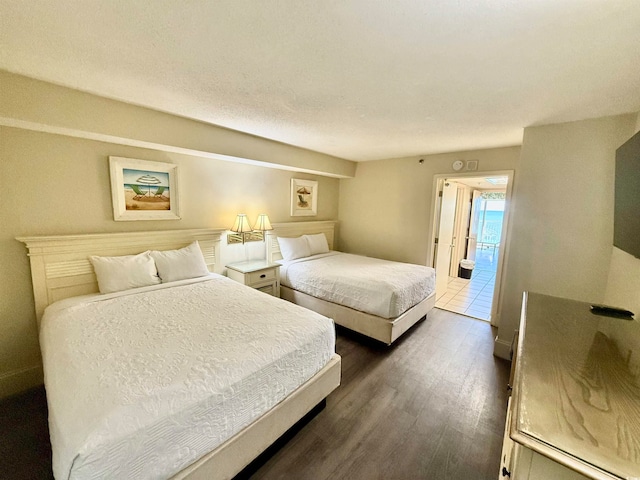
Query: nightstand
x=258 y=274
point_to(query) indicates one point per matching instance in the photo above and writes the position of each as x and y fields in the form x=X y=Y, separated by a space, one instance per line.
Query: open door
x=444 y=238
x=473 y=224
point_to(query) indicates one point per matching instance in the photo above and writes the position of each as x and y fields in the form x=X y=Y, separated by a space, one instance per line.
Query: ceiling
x=495 y=182
x=358 y=79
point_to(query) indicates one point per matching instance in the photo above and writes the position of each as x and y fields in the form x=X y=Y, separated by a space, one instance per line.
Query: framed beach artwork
x=142 y=190
x=304 y=197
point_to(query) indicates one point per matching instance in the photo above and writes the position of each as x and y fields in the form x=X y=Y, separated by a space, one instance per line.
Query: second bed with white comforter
x=378 y=287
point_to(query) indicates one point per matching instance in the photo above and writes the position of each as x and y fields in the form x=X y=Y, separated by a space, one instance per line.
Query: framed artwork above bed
x=143 y=190
x=304 y=197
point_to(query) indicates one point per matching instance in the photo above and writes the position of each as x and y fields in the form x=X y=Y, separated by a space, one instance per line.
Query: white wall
x=561 y=229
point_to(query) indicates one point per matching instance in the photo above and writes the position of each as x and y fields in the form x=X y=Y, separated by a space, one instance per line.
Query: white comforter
x=141 y=384
x=378 y=287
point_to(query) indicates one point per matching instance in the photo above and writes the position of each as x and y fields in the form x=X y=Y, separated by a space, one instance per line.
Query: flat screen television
x=626 y=220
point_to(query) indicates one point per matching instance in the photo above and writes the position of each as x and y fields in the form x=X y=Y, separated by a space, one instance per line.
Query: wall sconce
x=244 y=233
x=263 y=224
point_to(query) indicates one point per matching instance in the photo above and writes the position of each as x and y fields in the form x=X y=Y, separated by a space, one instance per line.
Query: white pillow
x=122 y=273
x=292 y=248
x=186 y=262
x=317 y=243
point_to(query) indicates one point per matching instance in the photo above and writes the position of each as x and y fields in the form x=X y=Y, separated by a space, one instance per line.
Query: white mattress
x=140 y=384
x=378 y=287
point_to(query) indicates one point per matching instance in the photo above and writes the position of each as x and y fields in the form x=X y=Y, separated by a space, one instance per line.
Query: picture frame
x=304 y=197
x=144 y=190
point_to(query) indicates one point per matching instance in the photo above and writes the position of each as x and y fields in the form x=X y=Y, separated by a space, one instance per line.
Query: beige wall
x=385 y=210
x=54 y=184
x=562 y=220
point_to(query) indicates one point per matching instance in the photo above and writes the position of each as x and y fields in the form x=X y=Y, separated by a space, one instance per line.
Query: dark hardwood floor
x=432 y=406
x=25 y=451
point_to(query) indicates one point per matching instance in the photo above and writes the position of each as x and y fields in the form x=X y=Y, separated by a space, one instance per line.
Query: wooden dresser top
x=577 y=387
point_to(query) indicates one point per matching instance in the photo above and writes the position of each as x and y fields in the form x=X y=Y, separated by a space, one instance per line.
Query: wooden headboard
x=295 y=229
x=60 y=265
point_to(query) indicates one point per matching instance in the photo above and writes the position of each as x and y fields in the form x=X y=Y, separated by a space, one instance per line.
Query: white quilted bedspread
x=378 y=287
x=140 y=385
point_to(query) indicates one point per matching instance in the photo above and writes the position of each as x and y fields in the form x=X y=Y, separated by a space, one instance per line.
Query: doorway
x=469 y=236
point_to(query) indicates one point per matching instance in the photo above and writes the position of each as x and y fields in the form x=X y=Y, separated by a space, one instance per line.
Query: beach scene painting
x=304 y=197
x=143 y=190
x=146 y=190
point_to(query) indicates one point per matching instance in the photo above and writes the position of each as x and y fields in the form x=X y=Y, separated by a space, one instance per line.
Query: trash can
x=466 y=268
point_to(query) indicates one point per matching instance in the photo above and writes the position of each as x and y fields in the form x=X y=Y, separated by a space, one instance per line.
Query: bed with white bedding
x=184 y=379
x=371 y=285
x=378 y=298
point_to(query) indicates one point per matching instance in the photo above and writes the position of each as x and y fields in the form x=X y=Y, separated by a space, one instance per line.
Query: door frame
x=434 y=216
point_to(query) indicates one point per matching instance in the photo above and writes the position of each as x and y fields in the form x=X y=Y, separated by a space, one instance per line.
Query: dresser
x=258 y=274
x=574 y=412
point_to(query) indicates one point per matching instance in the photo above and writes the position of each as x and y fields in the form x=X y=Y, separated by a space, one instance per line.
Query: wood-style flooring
x=432 y=406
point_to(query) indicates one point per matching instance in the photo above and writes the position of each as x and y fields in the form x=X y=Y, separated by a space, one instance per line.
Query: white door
x=473 y=225
x=445 y=237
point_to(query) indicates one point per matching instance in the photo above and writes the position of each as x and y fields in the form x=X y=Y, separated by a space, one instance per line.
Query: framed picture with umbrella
x=143 y=190
x=304 y=197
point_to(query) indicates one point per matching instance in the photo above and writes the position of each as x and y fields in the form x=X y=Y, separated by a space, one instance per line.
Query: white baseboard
x=502 y=348
x=20 y=380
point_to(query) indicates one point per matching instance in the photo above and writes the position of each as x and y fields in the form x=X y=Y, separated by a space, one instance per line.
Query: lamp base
x=255 y=236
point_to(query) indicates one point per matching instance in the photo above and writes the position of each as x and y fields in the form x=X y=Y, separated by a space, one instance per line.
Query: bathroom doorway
x=470 y=224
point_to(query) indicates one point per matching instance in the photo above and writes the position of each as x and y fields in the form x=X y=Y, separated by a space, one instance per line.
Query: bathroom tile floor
x=473 y=297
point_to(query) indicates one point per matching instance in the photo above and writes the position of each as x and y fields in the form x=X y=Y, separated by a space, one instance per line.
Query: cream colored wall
x=561 y=230
x=54 y=184
x=385 y=210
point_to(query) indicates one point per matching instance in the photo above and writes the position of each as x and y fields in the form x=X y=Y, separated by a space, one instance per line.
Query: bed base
x=232 y=456
x=276 y=446
x=383 y=329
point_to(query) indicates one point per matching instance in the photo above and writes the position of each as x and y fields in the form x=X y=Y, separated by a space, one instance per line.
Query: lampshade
x=242 y=224
x=263 y=223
